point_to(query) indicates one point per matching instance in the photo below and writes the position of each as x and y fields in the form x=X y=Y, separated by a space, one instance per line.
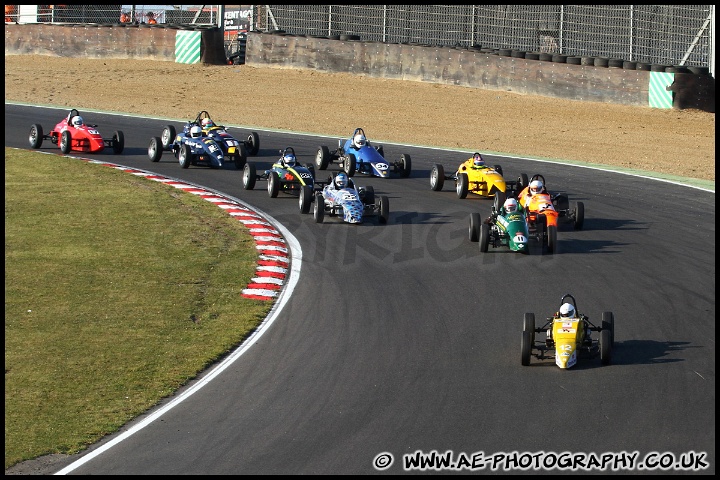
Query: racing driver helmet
x=510 y=205
x=77 y=121
x=536 y=186
x=341 y=180
x=206 y=123
x=359 y=140
x=195 y=131
x=289 y=160
x=478 y=160
x=567 y=310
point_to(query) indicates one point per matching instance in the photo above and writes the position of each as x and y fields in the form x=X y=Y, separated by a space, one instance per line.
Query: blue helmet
x=289 y=159
x=478 y=160
x=341 y=180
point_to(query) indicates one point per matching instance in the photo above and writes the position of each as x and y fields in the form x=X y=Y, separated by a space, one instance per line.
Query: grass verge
x=118 y=291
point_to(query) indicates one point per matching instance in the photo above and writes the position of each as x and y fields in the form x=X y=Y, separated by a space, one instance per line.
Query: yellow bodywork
x=483 y=181
x=567 y=335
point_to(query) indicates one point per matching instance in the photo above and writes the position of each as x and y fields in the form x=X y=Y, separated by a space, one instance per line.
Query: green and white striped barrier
x=658 y=94
x=187 y=46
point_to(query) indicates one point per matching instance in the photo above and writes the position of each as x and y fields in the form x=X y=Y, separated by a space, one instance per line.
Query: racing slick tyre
x=240 y=157
x=529 y=325
x=118 y=142
x=185 y=156
x=369 y=196
x=462 y=186
x=525 y=348
x=474 y=230
x=65 y=142
x=608 y=321
x=405 y=165
x=349 y=164
x=499 y=200
x=155 y=149
x=484 y=237
x=579 y=215
x=319 y=208
x=305 y=198
x=437 y=177
x=322 y=157
x=311 y=168
x=253 y=144
x=562 y=202
x=605 y=346
x=522 y=181
x=168 y=136
x=249 y=176
x=384 y=209
x=551 y=238
x=273 y=184
x=36 y=135
x=498 y=169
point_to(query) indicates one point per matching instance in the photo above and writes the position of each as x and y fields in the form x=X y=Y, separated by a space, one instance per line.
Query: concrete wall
x=475 y=68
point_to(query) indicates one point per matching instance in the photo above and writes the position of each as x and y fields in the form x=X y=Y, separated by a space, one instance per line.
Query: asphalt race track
x=404 y=337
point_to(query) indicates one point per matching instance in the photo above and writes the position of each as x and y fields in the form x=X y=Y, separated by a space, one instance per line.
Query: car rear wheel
x=155 y=149
x=579 y=215
x=522 y=181
x=253 y=142
x=369 y=198
x=608 y=321
x=525 y=348
x=185 y=156
x=605 y=346
x=240 y=158
x=273 y=185
x=498 y=169
x=118 y=142
x=552 y=239
x=484 y=237
x=249 y=176
x=322 y=158
x=305 y=198
x=463 y=185
x=405 y=165
x=36 y=135
x=65 y=142
x=474 y=230
x=384 y=209
x=437 y=177
x=499 y=200
x=319 y=208
x=168 y=136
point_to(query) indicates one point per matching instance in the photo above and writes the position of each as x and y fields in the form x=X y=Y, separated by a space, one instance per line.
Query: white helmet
x=195 y=131
x=510 y=205
x=77 y=121
x=341 y=180
x=567 y=310
x=206 y=123
x=359 y=140
x=536 y=186
x=289 y=159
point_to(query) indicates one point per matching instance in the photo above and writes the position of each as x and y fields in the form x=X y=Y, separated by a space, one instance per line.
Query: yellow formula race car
x=471 y=176
x=568 y=336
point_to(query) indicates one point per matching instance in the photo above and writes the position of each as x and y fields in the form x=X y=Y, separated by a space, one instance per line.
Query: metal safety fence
x=681 y=35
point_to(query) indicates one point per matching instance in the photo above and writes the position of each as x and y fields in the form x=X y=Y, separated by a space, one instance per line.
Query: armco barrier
x=589 y=79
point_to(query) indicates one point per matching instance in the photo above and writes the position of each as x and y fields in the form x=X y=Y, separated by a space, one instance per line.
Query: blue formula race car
x=356 y=154
x=190 y=147
x=339 y=197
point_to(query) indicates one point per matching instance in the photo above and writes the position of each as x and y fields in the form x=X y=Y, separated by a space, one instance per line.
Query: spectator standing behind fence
x=125 y=17
x=10 y=15
x=151 y=18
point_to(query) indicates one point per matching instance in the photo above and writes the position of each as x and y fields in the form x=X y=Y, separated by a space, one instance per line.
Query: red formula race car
x=72 y=134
